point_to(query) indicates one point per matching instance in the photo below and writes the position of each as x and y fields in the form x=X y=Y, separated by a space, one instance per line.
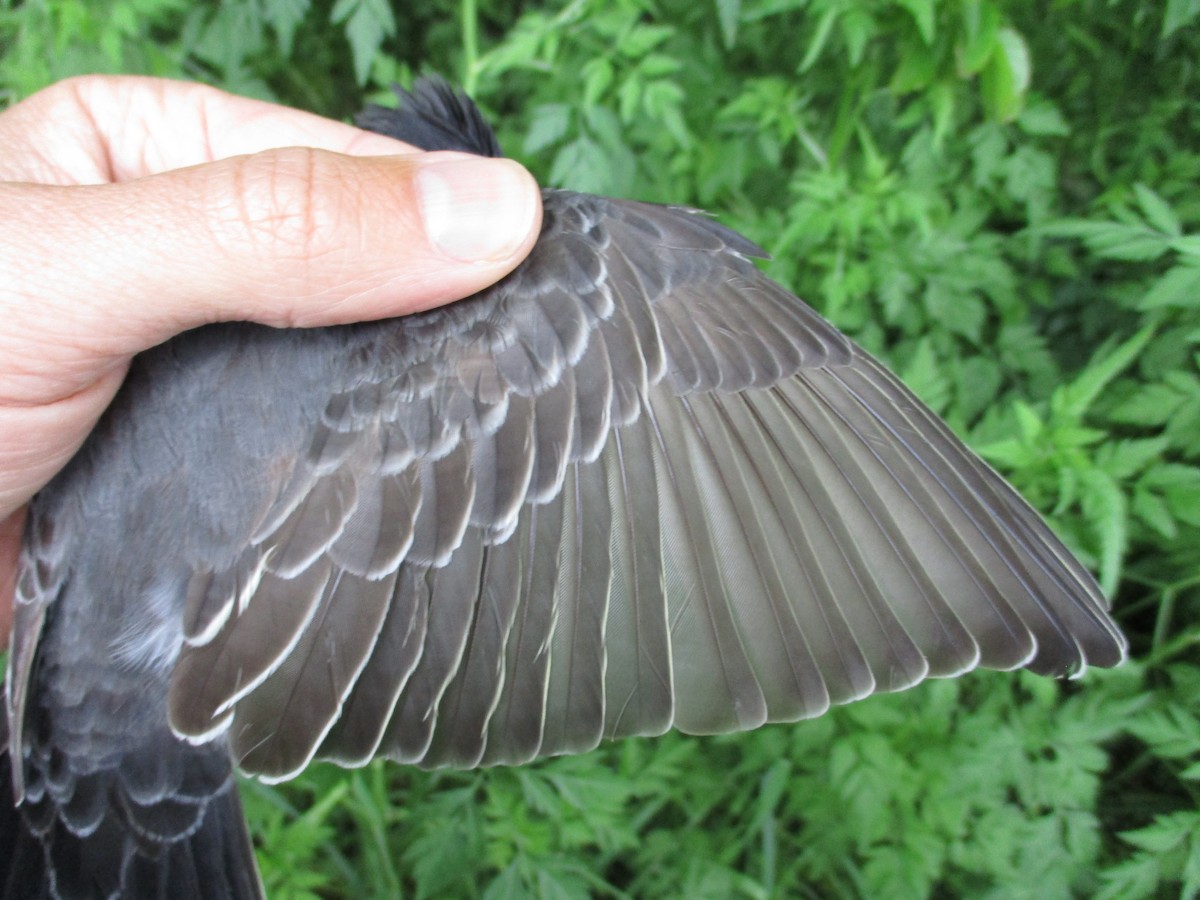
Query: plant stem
x=470 y=39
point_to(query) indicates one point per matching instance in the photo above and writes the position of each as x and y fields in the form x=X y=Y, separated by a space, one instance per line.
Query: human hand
x=132 y=209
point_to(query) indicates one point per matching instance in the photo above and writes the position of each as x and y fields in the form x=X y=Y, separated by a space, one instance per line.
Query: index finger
x=98 y=129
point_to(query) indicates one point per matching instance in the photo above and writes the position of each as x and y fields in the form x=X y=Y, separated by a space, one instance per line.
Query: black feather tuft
x=433 y=116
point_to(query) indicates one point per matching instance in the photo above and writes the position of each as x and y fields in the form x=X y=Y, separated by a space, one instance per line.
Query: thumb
x=290 y=237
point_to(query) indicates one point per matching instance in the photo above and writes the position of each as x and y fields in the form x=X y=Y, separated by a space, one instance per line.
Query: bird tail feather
x=162 y=848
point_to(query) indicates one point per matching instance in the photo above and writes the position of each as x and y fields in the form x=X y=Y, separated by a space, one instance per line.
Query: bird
x=633 y=486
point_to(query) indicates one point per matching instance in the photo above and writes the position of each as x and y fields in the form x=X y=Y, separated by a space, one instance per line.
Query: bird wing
x=636 y=485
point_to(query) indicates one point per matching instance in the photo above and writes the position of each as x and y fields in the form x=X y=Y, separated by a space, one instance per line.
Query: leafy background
x=1000 y=199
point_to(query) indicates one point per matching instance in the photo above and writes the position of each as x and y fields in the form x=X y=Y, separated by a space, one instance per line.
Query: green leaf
x=1153 y=510
x=858 y=28
x=728 y=13
x=1151 y=405
x=656 y=65
x=597 y=77
x=1166 y=832
x=1029 y=174
x=584 y=166
x=942 y=98
x=981 y=21
x=1124 y=459
x=1179 y=486
x=977 y=384
x=629 y=96
x=1179 y=14
x=917 y=69
x=1104 y=505
x=923 y=13
x=1131 y=244
x=1157 y=211
x=1041 y=117
x=285 y=16
x=229 y=37
x=508 y=885
x=1005 y=78
x=958 y=312
x=925 y=378
x=1076 y=398
x=547 y=126
x=1173 y=732
x=661 y=95
x=1188 y=245
x=367 y=23
x=818 y=40
x=1030 y=422
x=642 y=39
x=1116 y=240
x=1008 y=454
x=1178 y=287
x=1135 y=878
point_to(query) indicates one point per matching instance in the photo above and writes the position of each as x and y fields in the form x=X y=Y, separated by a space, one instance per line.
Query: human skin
x=132 y=209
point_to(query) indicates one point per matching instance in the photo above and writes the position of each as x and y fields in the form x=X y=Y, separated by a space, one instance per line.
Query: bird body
x=635 y=485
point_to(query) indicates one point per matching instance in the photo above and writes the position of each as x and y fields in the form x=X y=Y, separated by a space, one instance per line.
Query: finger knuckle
x=284 y=203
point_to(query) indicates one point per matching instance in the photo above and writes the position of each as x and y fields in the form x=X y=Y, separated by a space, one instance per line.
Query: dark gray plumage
x=635 y=485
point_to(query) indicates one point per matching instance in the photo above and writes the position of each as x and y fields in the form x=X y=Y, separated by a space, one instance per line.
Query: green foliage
x=998 y=198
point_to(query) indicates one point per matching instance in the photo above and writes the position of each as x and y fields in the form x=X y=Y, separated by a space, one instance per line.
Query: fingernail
x=476 y=209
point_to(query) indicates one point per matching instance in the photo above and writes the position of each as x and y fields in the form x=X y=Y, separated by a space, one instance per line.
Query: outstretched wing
x=634 y=486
